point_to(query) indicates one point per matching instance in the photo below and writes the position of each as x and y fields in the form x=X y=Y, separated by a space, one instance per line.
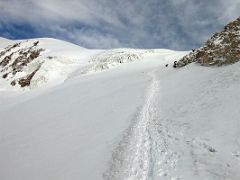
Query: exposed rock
x=13 y=83
x=50 y=57
x=5 y=76
x=221 y=49
x=6 y=60
x=35 y=43
x=15 y=58
x=26 y=81
x=24 y=60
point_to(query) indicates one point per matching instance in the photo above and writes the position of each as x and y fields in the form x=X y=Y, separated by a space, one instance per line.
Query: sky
x=171 y=24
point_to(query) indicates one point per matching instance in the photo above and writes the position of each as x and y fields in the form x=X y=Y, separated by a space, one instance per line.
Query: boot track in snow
x=143 y=152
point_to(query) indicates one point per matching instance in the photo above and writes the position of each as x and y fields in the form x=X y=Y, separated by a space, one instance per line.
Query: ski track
x=143 y=153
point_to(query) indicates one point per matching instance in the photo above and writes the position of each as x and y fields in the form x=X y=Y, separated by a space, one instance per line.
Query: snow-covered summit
x=222 y=48
x=30 y=63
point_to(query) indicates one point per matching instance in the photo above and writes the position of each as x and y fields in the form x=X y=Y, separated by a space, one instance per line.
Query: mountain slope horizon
x=35 y=62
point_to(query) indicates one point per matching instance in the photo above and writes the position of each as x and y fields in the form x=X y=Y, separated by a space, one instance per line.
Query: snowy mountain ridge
x=27 y=63
x=39 y=62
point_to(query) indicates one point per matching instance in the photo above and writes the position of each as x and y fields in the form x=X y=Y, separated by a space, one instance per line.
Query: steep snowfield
x=135 y=119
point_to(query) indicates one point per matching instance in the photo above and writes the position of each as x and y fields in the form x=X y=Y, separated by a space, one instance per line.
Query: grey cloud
x=175 y=24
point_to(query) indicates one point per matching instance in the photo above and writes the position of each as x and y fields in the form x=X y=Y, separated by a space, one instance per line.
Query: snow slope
x=135 y=120
x=4 y=42
x=188 y=128
x=55 y=61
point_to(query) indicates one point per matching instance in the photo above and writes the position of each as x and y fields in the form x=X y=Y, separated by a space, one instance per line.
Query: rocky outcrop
x=221 y=49
x=15 y=58
x=26 y=81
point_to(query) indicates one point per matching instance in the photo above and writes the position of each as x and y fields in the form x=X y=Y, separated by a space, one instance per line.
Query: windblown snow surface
x=4 y=42
x=118 y=118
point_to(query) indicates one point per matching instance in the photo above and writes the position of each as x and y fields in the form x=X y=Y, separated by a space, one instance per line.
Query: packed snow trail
x=143 y=153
